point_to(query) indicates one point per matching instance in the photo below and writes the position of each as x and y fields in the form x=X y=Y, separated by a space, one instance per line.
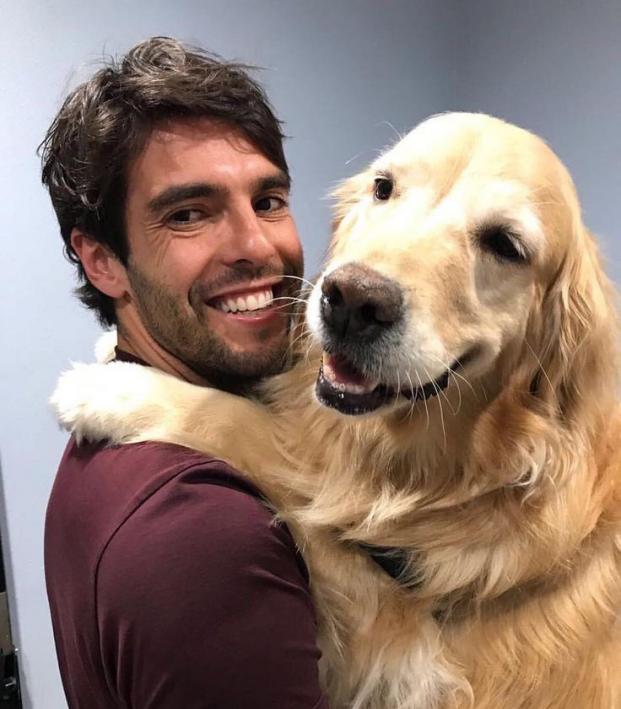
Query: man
x=170 y=585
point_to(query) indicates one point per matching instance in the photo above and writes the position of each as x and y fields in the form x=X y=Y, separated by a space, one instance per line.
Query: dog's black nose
x=357 y=301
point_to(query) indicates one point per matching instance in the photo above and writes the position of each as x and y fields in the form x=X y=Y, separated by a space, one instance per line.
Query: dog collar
x=396 y=562
x=400 y=564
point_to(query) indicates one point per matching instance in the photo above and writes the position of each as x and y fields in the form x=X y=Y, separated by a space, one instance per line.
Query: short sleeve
x=201 y=602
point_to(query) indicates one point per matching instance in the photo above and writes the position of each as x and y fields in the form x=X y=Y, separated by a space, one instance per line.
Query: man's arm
x=201 y=602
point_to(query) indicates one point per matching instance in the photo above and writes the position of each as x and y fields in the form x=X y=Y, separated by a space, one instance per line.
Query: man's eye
x=184 y=217
x=269 y=204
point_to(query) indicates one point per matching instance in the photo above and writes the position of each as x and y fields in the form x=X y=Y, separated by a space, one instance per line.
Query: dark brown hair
x=105 y=122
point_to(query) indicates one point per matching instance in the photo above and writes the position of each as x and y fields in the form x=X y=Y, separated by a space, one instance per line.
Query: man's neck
x=151 y=353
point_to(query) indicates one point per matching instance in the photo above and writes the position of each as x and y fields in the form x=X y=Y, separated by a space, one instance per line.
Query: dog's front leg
x=122 y=402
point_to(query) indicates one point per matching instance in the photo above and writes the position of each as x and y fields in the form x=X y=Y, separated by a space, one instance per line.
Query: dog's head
x=460 y=255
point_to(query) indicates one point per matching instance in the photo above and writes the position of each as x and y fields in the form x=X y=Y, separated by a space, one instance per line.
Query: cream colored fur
x=506 y=487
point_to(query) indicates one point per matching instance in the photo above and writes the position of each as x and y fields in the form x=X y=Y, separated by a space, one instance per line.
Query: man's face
x=211 y=244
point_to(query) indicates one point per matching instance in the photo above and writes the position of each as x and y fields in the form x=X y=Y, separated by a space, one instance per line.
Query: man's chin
x=238 y=371
x=229 y=358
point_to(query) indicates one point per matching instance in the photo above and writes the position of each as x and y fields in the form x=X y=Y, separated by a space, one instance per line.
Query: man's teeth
x=256 y=301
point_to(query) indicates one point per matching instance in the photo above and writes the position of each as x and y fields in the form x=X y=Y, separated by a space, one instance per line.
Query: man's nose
x=248 y=239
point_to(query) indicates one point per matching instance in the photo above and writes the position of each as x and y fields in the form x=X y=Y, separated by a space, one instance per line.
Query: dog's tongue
x=342 y=374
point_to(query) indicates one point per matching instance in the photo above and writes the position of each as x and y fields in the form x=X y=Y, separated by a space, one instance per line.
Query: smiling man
x=212 y=246
x=170 y=584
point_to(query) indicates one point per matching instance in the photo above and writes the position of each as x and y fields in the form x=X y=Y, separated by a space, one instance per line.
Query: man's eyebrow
x=179 y=193
x=279 y=181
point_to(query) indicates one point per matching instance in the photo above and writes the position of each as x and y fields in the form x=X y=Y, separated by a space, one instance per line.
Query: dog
x=446 y=448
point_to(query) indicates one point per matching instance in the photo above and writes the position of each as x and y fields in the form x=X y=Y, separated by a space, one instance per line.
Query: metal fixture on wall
x=9 y=674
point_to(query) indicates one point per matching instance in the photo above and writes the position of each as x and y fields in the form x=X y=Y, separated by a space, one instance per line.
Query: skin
x=230 y=235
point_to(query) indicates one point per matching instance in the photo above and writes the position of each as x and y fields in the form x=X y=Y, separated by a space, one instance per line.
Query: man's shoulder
x=196 y=561
x=206 y=519
x=100 y=490
x=206 y=533
x=135 y=471
x=135 y=456
x=206 y=568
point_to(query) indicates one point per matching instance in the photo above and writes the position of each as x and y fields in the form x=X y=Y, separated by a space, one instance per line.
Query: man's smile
x=255 y=305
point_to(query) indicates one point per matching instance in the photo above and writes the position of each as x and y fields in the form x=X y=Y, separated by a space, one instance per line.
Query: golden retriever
x=456 y=416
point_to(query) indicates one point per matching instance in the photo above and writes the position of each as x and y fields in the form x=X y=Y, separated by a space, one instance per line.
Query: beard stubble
x=184 y=333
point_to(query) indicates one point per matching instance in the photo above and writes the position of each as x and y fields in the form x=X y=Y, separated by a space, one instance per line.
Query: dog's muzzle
x=358 y=303
x=363 y=319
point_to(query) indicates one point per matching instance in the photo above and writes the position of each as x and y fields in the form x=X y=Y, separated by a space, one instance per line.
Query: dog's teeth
x=328 y=372
x=357 y=388
x=347 y=387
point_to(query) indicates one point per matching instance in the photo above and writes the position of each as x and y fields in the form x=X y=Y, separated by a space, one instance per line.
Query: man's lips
x=247 y=288
x=248 y=300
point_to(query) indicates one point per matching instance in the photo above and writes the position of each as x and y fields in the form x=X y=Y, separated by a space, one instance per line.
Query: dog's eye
x=502 y=242
x=383 y=188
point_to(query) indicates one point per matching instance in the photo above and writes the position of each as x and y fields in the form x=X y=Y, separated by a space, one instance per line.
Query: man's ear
x=102 y=267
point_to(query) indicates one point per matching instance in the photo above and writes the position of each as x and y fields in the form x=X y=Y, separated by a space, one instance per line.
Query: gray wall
x=554 y=67
x=337 y=72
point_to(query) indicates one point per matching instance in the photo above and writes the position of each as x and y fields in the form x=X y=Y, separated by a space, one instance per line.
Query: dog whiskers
x=399 y=135
x=295 y=341
x=441 y=391
x=398 y=389
x=306 y=282
x=541 y=367
x=435 y=386
x=459 y=403
x=301 y=337
x=413 y=398
x=444 y=395
x=290 y=299
x=355 y=157
x=452 y=373
x=460 y=376
x=424 y=400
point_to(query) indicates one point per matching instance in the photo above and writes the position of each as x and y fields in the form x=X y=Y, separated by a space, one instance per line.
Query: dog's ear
x=564 y=379
x=347 y=195
x=574 y=334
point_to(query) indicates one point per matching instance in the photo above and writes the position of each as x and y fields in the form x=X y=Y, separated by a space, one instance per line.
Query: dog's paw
x=103 y=401
x=105 y=347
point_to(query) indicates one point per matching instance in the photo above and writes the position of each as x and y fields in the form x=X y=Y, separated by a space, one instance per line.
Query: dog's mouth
x=341 y=386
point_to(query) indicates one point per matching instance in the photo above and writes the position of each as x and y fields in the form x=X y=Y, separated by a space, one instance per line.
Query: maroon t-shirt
x=171 y=587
